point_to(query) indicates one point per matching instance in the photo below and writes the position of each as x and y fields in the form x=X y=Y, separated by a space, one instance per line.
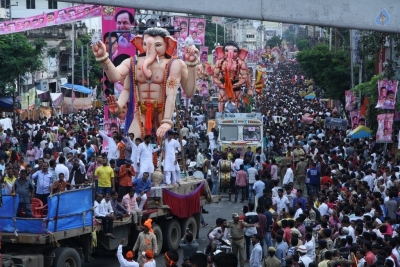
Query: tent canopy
x=78 y=88
x=360 y=132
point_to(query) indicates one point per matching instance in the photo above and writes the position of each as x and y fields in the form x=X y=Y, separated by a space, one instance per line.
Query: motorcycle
x=225 y=245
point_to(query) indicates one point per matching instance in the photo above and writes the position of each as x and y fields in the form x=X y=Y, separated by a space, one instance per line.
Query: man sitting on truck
x=106 y=219
x=230 y=107
x=129 y=203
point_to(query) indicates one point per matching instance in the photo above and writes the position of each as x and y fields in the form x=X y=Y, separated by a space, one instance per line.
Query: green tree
x=329 y=69
x=210 y=34
x=302 y=44
x=20 y=57
x=274 y=41
x=96 y=72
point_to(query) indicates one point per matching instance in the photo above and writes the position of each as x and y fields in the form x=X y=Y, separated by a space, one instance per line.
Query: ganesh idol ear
x=137 y=41
x=171 y=45
x=243 y=53
x=220 y=52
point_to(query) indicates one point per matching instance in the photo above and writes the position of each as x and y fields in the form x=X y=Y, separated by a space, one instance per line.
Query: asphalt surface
x=224 y=209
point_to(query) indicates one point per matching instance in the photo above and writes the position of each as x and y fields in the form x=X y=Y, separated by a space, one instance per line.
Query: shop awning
x=78 y=88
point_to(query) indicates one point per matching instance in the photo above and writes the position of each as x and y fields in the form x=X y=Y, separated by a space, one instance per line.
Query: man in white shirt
x=106 y=219
x=144 y=157
x=299 y=210
x=108 y=209
x=61 y=168
x=302 y=250
x=171 y=147
x=289 y=176
x=281 y=202
x=230 y=107
x=323 y=208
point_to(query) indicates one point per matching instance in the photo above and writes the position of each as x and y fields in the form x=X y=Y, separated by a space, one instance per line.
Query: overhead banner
x=385 y=128
x=195 y=27
x=197 y=30
x=203 y=88
x=350 y=98
x=204 y=54
x=387 y=94
x=335 y=124
x=181 y=23
x=61 y=16
x=355 y=116
x=117 y=19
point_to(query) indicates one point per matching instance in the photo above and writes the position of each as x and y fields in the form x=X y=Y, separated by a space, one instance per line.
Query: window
x=30 y=4
x=229 y=133
x=5 y=3
x=52 y=4
x=251 y=133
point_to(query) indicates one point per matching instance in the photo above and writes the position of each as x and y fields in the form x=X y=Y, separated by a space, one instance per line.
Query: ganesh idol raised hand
x=230 y=73
x=151 y=81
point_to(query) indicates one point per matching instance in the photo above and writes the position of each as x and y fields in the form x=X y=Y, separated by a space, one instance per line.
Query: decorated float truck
x=65 y=232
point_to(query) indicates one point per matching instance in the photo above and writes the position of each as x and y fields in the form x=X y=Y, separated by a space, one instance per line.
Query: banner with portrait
x=350 y=98
x=203 y=88
x=110 y=125
x=385 y=128
x=354 y=116
x=117 y=19
x=181 y=23
x=204 y=54
x=197 y=29
x=56 y=17
x=387 y=91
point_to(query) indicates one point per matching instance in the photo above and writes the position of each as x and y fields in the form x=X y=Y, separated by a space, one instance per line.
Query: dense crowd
x=315 y=196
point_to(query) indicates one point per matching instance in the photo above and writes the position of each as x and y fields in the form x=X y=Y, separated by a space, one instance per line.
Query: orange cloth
x=228 y=85
x=148 y=224
x=149 y=253
x=125 y=179
x=129 y=255
x=149 y=117
x=121 y=147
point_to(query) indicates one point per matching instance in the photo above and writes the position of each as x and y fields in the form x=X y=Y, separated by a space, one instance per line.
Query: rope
x=84 y=219
x=41 y=230
x=15 y=226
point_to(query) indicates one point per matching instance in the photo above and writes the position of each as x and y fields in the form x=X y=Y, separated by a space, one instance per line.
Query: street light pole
x=11 y=9
x=83 y=69
x=73 y=64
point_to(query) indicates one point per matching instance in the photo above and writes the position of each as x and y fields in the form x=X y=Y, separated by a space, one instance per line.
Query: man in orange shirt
x=126 y=172
x=121 y=148
x=327 y=178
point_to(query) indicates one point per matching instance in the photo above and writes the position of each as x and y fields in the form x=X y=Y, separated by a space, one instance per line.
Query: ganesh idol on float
x=230 y=73
x=151 y=81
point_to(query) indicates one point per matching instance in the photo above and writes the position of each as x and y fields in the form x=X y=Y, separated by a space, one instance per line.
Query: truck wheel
x=191 y=224
x=66 y=257
x=172 y=235
x=159 y=235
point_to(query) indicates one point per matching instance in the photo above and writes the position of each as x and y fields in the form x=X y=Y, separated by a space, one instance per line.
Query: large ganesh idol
x=151 y=81
x=230 y=73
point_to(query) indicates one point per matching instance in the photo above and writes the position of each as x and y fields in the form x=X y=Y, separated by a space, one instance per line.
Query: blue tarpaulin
x=78 y=88
x=6 y=102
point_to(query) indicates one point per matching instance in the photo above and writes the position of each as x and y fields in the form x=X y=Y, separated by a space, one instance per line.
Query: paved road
x=224 y=209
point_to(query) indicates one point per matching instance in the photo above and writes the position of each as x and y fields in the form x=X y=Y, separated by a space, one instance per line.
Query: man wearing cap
x=128 y=262
x=236 y=231
x=271 y=260
x=146 y=241
x=126 y=172
x=302 y=250
x=297 y=153
x=300 y=173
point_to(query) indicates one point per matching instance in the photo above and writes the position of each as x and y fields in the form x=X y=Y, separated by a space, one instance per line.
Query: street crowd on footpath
x=311 y=196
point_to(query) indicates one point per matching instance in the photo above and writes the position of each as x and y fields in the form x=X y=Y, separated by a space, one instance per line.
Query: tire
x=66 y=257
x=172 y=235
x=191 y=224
x=159 y=235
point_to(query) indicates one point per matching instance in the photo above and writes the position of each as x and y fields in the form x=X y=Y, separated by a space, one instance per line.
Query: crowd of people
x=315 y=196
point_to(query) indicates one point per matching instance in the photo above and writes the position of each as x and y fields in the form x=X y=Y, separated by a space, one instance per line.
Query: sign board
x=44 y=85
x=336 y=124
x=253 y=115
